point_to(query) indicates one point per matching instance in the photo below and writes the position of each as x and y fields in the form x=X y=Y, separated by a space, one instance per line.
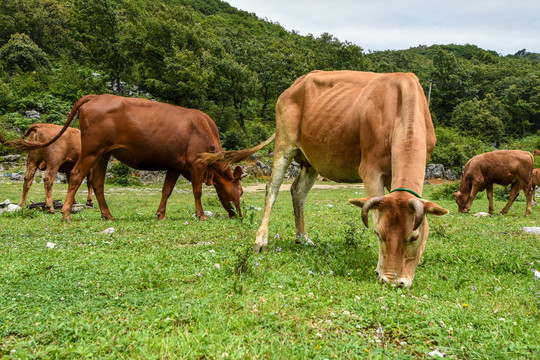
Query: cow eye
x=414 y=237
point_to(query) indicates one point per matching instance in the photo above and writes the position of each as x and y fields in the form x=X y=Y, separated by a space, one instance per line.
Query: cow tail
x=27 y=145
x=235 y=156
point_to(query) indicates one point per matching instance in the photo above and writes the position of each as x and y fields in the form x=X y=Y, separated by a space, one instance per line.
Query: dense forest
x=208 y=55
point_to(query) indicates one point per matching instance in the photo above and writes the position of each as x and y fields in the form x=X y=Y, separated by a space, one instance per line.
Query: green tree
x=481 y=118
x=21 y=52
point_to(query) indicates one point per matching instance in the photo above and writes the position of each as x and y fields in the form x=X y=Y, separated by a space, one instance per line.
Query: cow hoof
x=50 y=211
x=260 y=248
x=90 y=204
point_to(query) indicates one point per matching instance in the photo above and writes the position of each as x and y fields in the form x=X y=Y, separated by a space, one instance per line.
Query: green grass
x=190 y=289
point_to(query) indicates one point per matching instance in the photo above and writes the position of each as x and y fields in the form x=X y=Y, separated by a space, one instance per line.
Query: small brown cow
x=535 y=181
x=537 y=152
x=503 y=167
x=58 y=157
x=149 y=135
x=351 y=127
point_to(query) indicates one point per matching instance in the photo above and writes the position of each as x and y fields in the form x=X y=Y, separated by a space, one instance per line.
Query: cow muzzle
x=396 y=281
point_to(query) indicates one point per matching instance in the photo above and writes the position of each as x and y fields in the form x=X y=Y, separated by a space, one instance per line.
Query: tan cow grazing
x=503 y=167
x=352 y=127
x=149 y=135
x=537 y=152
x=58 y=157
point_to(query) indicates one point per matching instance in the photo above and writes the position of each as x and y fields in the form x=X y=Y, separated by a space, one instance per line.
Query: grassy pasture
x=183 y=288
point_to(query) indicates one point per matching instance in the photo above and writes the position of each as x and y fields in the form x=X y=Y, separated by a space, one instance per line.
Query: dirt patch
x=287 y=187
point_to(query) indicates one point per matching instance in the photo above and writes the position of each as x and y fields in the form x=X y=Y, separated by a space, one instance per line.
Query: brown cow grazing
x=149 y=135
x=58 y=157
x=352 y=127
x=503 y=167
x=535 y=181
x=537 y=152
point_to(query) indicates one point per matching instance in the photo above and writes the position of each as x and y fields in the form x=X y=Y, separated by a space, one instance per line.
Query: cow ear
x=359 y=202
x=434 y=209
x=238 y=173
x=457 y=193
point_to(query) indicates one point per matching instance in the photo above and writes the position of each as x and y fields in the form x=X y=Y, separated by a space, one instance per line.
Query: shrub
x=445 y=191
x=122 y=174
x=20 y=52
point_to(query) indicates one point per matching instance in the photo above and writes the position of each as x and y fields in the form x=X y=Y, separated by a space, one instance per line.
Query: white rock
x=481 y=214
x=11 y=208
x=532 y=230
x=108 y=231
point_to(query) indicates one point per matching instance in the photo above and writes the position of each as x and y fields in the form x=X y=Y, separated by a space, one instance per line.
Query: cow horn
x=418 y=208
x=373 y=202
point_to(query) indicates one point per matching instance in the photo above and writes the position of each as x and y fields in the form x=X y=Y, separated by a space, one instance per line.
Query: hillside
x=233 y=65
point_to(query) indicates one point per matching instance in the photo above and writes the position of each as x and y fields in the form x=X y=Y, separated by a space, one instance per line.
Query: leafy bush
x=234 y=139
x=122 y=174
x=454 y=149
x=20 y=52
x=17 y=120
x=445 y=191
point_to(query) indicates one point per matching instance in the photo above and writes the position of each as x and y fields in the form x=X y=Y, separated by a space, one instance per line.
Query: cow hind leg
x=282 y=159
x=98 y=183
x=299 y=191
x=76 y=177
x=31 y=167
x=168 y=186
x=514 y=192
x=48 y=182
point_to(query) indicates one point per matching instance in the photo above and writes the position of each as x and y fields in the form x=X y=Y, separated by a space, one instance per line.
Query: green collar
x=407 y=190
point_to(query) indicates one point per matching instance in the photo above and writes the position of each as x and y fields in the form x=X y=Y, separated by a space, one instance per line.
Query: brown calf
x=503 y=167
x=58 y=157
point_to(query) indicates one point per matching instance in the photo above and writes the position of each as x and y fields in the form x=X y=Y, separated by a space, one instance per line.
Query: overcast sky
x=505 y=26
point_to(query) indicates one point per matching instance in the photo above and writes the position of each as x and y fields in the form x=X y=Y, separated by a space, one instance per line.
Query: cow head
x=402 y=230
x=461 y=200
x=228 y=188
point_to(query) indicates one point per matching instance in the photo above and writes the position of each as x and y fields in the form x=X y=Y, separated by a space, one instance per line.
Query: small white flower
x=217 y=266
x=212 y=251
x=502 y=319
x=51 y=245
x=62 y=298
x=319 y=334
x=346 y=313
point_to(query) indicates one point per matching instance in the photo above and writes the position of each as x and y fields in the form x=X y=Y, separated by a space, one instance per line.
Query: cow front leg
x=299 y=191
x=474 y=191
x=514 y=192
x=282 y=159
x=31 y=167
x=168 y=186
x=489 y=193
x=529 y=194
